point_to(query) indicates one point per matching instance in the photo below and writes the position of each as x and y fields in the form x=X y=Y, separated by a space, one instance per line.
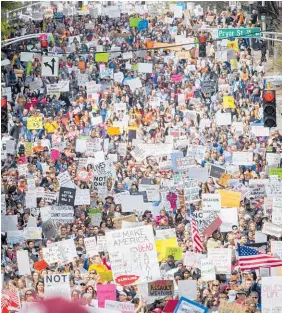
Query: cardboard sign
x=161 y=288
x=128 y=218
x=231 y=307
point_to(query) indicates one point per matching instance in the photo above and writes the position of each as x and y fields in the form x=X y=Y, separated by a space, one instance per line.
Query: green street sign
x=224 y=33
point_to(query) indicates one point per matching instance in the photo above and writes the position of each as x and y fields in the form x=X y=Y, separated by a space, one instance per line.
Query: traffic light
x=4 y=116
x=202 y=47
x=269 y=108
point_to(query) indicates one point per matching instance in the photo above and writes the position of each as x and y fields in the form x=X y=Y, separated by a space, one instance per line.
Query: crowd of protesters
x=69 y=116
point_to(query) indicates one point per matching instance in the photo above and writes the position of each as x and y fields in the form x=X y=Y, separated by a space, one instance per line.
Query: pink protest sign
x=176 y=78
x=55 y=154
x=106 y=292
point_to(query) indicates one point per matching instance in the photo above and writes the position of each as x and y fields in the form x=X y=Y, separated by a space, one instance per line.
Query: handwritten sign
x=271 y=294
x=105 y=292
x=175 y=251
x=34 y=123
x=133 y=255
x=230 y=199
x=161 y=288
x=221 y=259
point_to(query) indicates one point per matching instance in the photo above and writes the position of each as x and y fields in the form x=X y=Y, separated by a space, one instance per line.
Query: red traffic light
x=268 y=96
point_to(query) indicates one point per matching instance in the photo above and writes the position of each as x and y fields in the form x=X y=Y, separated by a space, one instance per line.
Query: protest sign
x=216 y=171
x=49 y=229
x=207 y=270
x=61 y=86
x=273 y=159
x=176 y=252
x=229 y=217
x=272 y=229
x=128 y=218
x=276 y=248
x=271 y=294
x=124 y=307
x=105 y=292
x=242 y=158
x=34 y=123
x=101 y=57
x=273 y=189
x=133 y=253
x=200 y=174
x=33 y=233
x=185 y=305
x=193 y=259
x=221 y=259
x=57 y=285
x=62 y=213
x=231 y=307
x=161 y=288
x=188 y=289
x=15 y=237
x=223 y=119
x=113 y=131
x=228 y=102
x=23 y=262
x=152 y=191
x=275 y=171
x=67 y=196
x=211 y=203
x=230 y=199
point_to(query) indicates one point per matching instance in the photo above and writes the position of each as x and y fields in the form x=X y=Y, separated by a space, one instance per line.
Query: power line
x=141 y=49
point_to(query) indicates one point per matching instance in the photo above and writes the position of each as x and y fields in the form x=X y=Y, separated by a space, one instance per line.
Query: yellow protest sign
x=28 y=148
x=228 y=102
x=101 y=57
x=183 y=55
x=223 y=180
x=113 y=131
x=230 y=199
x=175 y=251
x=234 y=64
x=34 y=122
x=161 y=246
x=233 y=45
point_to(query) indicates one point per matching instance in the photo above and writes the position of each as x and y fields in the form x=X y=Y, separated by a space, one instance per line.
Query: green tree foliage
x=6 y=6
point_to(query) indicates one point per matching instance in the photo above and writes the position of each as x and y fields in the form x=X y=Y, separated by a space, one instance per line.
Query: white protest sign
x=131 y=203
x=145 y=67
x=125 y=307
x=118 y=77
x=207 y=270
x=50 y=66
x=200 y=174
x=260 y=131
x=153 y=191
x=133 y=255
x=229 y=217
x=221 y=259
x=91 y=246
x=193 y=259
x=106 y=72
x=277 y=211
x=272 y=229
x=211 y=203
x=33 y=233
x=82 y=197
x=260 y=237
x=223 y=119
x=62 y=213
x=64 y=178
x=187 y=289
x=273 y=159
x=139 y=153
x=23 y=262
x=242 y=158
x=57 y=285
x=271 y=294
x=61 y=86
x=125 y=224
x=134 y=83
x=276 y=248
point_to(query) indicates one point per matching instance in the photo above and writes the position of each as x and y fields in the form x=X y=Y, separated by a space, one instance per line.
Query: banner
x=133 y=255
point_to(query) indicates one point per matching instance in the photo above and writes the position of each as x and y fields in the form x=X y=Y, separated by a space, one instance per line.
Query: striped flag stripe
x=197 y=243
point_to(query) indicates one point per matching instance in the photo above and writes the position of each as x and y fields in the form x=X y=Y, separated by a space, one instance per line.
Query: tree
x=6 y=6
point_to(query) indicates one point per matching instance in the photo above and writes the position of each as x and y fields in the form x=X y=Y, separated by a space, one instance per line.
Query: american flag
x=197 y=243
x=10 y=300
x=251 y=259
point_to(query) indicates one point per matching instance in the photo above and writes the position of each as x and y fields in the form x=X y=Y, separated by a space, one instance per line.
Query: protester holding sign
x=137 y=174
